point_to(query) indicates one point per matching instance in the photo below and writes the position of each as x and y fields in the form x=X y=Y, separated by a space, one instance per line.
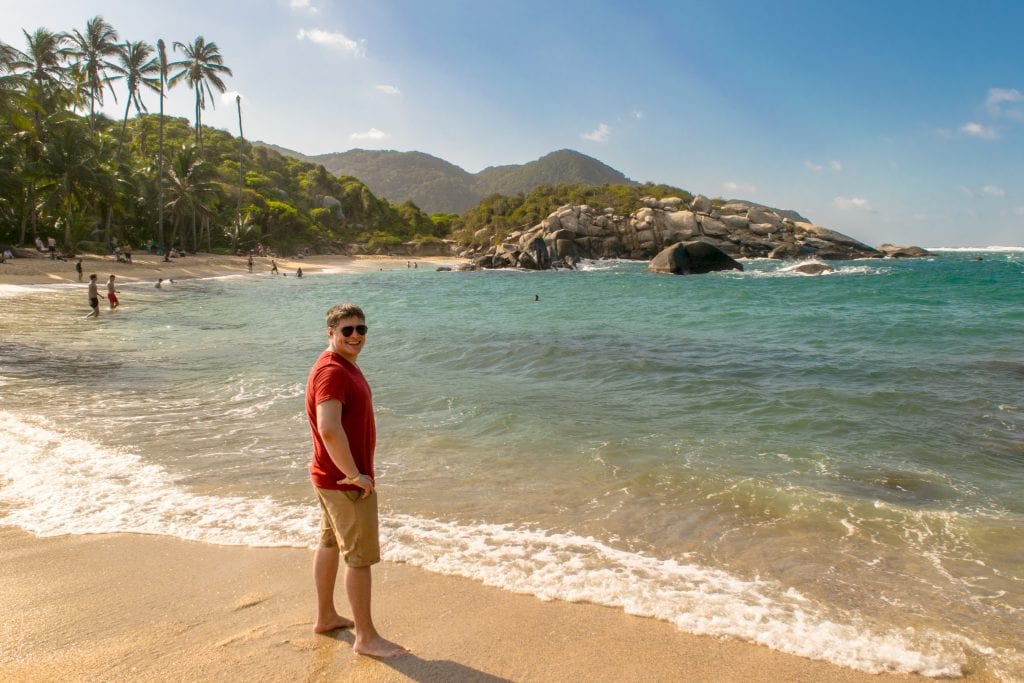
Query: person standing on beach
x=339 y=406
x=112 y=294
x=94 y=297
x=78 y=269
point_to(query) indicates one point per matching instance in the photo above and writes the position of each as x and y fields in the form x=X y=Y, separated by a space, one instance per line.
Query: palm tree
x=12 y=84
x=44 y=63
x=203 y=65
x=75 y=176
x=10 y=179
x=191 y=190
x=44 y=80
x=137 y=67
x=93 y=50
x=243 y=227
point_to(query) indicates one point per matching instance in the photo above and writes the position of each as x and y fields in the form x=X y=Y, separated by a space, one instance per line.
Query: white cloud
x=638 y=114
x=988 y=191
x=852 y=204
x=833 y=165
x=997 y=97
x=978 y=130
x=303 y=4
x=372 y=134
x=1018 y=210
x=228 y=97
x=738 y=188
x=599 y=134
x=340 y=41
x=388 y=89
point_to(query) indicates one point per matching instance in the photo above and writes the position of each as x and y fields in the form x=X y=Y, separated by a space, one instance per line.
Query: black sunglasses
x=349 y=329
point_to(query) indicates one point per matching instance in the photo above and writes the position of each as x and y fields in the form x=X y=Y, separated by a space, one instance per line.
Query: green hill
x=564 y=167
x=437 y=186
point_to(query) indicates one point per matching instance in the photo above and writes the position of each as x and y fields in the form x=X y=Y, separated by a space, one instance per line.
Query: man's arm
x=328 y=424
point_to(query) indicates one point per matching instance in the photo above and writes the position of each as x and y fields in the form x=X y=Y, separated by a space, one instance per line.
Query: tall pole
x=241 y=149
x=160 y=162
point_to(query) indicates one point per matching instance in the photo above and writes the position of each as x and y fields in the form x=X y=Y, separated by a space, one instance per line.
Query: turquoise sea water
x=831 y=466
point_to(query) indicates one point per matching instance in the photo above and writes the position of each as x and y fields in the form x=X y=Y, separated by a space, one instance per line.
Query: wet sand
x=133 y=607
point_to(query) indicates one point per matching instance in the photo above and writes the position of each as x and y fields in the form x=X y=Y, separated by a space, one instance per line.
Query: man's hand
x=360 y=480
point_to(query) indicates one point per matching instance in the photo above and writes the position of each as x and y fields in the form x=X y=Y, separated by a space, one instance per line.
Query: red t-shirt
x=333 y=377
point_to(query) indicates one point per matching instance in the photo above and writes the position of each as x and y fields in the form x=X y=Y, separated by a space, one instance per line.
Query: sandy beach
x=40 y=269
x=133 y=607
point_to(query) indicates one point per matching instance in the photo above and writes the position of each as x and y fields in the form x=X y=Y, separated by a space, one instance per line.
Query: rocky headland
x=735 y=229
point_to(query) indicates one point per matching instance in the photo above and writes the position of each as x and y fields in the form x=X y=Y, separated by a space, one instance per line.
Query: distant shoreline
x=149 y=268
x=992 y=249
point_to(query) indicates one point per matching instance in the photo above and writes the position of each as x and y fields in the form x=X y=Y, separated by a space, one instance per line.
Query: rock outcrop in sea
x=738 y=229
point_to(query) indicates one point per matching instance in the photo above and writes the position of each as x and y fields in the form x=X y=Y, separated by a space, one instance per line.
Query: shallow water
x=827 y=465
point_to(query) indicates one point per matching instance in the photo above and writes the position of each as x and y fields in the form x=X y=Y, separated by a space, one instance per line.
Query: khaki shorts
x=349 y=522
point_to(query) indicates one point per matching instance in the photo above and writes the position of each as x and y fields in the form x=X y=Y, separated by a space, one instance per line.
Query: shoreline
x=148 y=268
x=134 y=607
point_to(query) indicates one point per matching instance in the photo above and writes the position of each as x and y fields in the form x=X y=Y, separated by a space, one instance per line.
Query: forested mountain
x=564 y=167
x=437 y=186
x=433 y=184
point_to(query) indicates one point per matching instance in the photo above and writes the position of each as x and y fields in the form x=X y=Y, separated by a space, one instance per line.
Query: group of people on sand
x=273 y=266
x=49 y=247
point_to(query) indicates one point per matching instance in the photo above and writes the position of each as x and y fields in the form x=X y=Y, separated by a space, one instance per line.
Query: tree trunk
x=27 y=211
x=174 y=234
x=69 y=219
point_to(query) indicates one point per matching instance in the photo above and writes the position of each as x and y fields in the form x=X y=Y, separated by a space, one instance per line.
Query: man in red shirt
x=339 y=406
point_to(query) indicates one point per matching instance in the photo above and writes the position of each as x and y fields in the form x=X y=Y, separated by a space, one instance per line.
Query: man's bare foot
x=332 y=624
x=379 y=647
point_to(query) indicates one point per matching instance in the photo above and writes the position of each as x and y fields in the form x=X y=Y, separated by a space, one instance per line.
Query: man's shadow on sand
x=418 y=669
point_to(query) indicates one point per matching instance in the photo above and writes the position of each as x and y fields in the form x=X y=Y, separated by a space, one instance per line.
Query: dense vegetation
x=69 y=172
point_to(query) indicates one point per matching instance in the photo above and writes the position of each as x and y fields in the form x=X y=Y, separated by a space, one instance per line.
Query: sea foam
x=54 y=484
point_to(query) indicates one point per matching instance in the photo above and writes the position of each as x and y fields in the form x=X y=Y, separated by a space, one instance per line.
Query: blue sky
x=896 y=121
